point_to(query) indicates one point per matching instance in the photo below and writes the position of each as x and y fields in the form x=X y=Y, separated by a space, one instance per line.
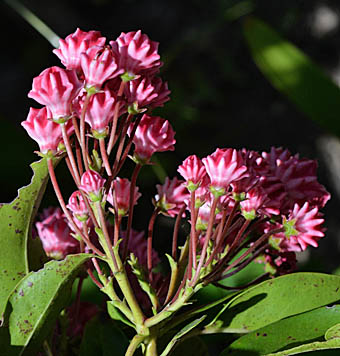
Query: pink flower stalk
x=146 y=91
x=55 y=234
x=43 y=130
x=100 y=111
x=56 y=88
x=153 y=134
x=76 y=43
x=120 y=193
x=99 y=64
x=137 y=53
x=171 y=196
x=223 y=167
x=92 y=184
x=193 y=171
x=77 y=205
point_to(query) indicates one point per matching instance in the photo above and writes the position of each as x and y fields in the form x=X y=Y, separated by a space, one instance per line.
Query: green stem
x=151 y=347
x=135 y=342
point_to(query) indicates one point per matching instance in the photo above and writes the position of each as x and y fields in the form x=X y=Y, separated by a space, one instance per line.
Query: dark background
x=219 y=97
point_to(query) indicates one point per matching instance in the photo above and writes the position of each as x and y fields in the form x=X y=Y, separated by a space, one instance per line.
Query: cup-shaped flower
x=99 y=64
x=171 y=196
x=193 y=171
x=153 y=134
x=119 y=195
x=137 y=53
x=100 y=111
x=56 y=88
x=223 y=167
x=43 y=130
x=92 y=184
x=76 y=43
x=146 y=92
x=77 y=205
x=55 y=234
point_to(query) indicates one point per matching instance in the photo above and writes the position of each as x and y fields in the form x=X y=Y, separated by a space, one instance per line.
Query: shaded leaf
x=193 y=346
x=102 y=337
x=37 y=301
x=15 y=230
x=276 y=299
x=286 y=333
x=116 y=314
x=291 y=72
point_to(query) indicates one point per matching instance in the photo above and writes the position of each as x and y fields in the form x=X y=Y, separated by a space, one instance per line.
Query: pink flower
x=224 y=166
x=153 y=134
x=171 y=196
x=55 y=234
x=77 y=205
x=56 y=88
x=100 y=111
x=146 y=91
x=92 y=183
x=137 y=53
x=76 y=43
x=120 y=193
x=99 y=64
x=44 y=131
x=192 y=170
x=253 y=203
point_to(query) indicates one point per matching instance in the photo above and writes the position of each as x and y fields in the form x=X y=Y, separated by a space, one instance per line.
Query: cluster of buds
x=241 y=206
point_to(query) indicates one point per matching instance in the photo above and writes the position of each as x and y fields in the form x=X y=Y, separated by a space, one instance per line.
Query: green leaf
x=37 y=301
x=292 y=331
x=15 y=231
x=291 y=72
x=116 y=314
x=333 y=332
x=276 y=299
x=193 y=346
x=181 y=333
x=102 y=337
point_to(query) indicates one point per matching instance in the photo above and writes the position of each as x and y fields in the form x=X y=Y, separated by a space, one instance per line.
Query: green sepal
x=99 y=135
x=126 y=77
x=97 y=162
x=217 y=192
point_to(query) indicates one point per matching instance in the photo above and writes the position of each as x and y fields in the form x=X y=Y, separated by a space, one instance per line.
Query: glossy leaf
x=37 y=301
x=291 y=72
x=103 y=337
x=15 y=229
x=276 y=299
x=292 y=331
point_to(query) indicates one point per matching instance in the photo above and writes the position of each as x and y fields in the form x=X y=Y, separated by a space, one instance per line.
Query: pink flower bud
x=171 y=196
x=254 y=201
x=100 y=110
x=76 y=43
x=153 y=134
x=44 y=131
x=146 y=91
x=137 y=53
x=55 y=234
x=56 y=88
x=192 y=170
x=92 y=183
x=99 y=64
x=120 y=194
x=77 y=205
x=224 y=166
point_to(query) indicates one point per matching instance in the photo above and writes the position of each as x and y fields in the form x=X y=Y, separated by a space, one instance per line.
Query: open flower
x=56 y=88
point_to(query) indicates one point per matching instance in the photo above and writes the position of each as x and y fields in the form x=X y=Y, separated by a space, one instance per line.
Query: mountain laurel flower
x=153 y=134
x=55 y=234
x=223 y=167
x=120 y=194
x=171 y=196
x=43 y=130
x=137 y=53
x=98 y=64
x=99 y=112
x=193 y=171
x=92 y=184
x=146 y=91
x=76 y=43
x=77 y=205
x=56 y=88
x=254 y=200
